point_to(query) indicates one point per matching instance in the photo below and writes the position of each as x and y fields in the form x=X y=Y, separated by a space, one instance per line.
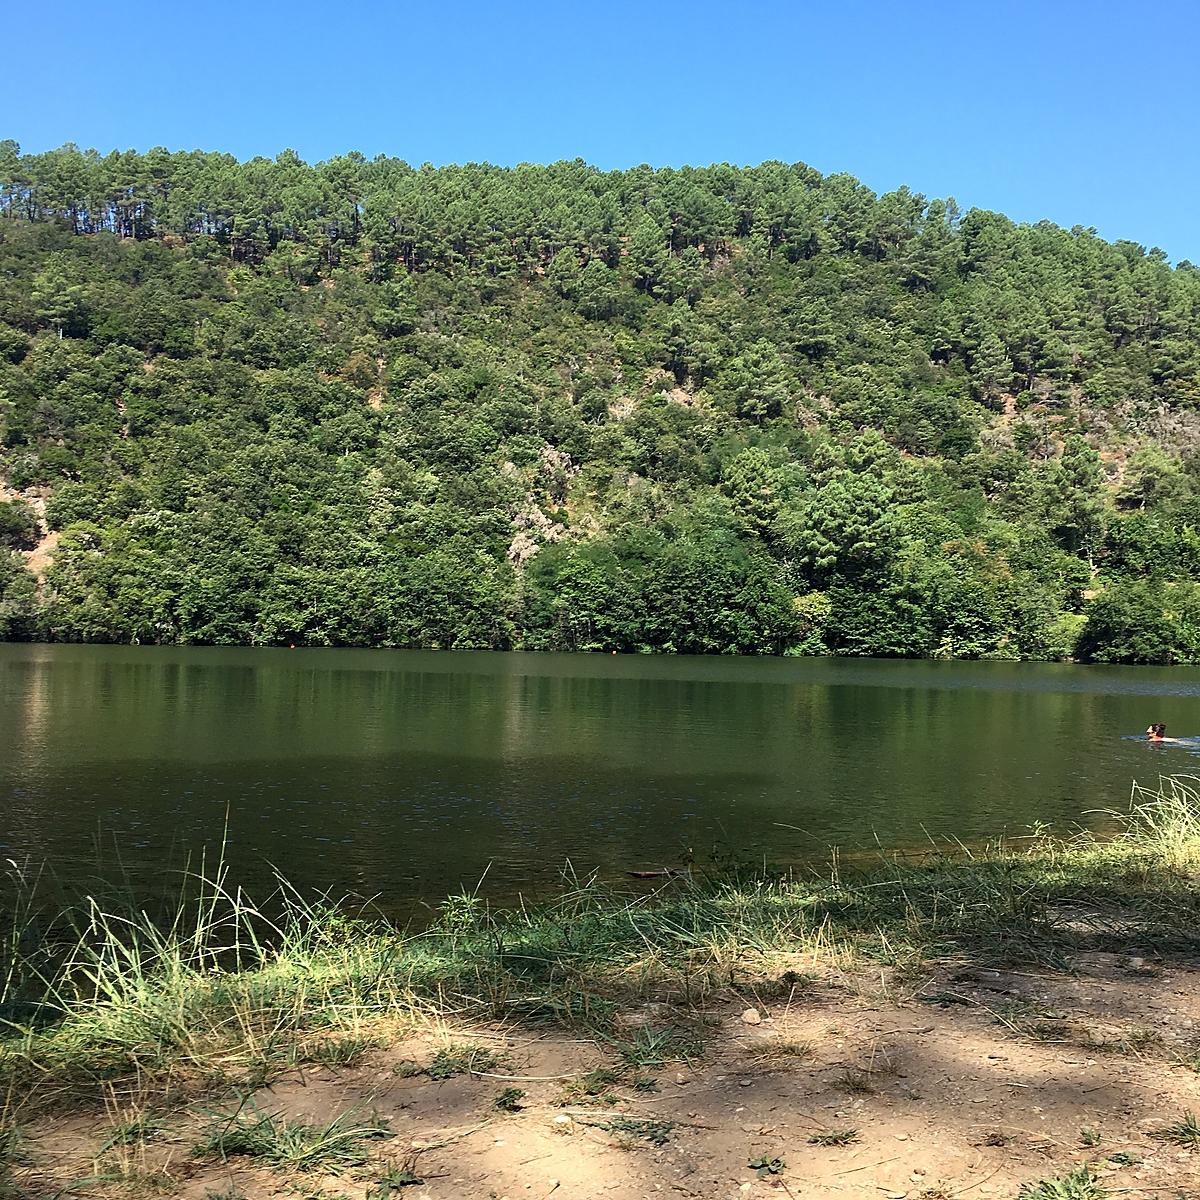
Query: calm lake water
x=409 y=774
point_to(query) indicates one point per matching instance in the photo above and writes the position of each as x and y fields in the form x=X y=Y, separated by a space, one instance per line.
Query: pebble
x=902 y=1137
x=752 y=1016
x=680 y=1078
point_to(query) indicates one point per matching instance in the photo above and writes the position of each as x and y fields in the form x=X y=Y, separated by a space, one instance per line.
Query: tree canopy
x=704 y=410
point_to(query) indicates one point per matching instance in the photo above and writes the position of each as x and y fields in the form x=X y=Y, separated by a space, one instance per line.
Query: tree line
x=705 y=410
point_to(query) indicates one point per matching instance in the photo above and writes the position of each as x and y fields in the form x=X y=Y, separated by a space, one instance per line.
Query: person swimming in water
x=1157 y=732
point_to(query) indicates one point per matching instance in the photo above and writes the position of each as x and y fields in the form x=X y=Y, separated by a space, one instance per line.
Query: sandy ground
x=968 y=1083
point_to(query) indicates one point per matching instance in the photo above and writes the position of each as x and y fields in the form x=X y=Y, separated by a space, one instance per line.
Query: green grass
x=460 y=1059
x=834 y=1137
x=656 y=1047
x=657 y=1133
x=250 y=1132
x=1079 y=1184
x=1184 y=1132
x=509 y=1100
x=592 y=1084
x=338 y=1051
x=394 y=1178
x=224 y=991
x=131 y=1131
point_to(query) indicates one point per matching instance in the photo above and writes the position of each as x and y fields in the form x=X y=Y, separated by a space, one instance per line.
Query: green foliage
x=720 y=410
x=1143 y=621
x=1184 y=1132
x=1079 y=1184
x=509 y=1099
x=396 y=1177
x=460 y=1060
x=18 y=599
x=657 y=1133
x=18 y=526
x=766 y=1167
x=339 y=1051
x=291 y=1144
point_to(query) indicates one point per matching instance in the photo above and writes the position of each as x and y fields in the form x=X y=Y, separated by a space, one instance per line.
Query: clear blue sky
x=1083 y=113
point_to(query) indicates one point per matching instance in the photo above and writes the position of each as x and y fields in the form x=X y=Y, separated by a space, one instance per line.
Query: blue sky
x=1083 y=113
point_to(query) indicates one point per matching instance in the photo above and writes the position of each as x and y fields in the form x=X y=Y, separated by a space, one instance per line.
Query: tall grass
x=1165 y=821
x=222 y=990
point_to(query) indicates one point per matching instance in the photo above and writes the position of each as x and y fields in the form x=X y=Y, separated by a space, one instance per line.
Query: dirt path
x=968 y=1084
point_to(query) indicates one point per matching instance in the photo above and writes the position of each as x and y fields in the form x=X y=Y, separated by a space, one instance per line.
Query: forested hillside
x=718 y=410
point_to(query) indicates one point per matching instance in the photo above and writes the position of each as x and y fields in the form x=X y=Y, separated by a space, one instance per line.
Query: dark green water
x=412 y=774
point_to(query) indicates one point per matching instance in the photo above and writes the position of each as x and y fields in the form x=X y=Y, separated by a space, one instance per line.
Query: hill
x=713 y=410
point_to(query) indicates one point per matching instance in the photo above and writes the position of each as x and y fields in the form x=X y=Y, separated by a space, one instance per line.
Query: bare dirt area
x=959 y=1082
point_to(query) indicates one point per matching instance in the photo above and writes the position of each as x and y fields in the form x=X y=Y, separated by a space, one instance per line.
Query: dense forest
x=714 y=410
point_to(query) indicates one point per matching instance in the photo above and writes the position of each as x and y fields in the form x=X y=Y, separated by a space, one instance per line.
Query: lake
x=408 y=775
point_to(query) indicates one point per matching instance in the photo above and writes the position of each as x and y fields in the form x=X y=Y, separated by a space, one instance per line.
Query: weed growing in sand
x=1122 y=1158
x=509 y=1100
x=1135 y=1042
x=1089 y=1136
x=253 y=1133
x=130 y=1131
x=393 y=1179
x=134 y=1178
x=1190 y=1059
x=1079 y=1184
x=834 y=1137
x=782 y=1049
x=461 y=1059
x=657 y=1133
x=339 y=1051
x=654 y=1047
x=592 y=1085
x=855 y=1083
x=1184 y=1132
x=10 y=1149
x=308 y=1192
x=764 y=1167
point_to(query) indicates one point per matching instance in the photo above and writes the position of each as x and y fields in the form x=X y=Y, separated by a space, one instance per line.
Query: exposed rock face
x=39 y=558
x=533 y=529
x=531 y=524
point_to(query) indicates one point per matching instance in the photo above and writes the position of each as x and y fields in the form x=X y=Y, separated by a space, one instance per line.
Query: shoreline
x=748 y=975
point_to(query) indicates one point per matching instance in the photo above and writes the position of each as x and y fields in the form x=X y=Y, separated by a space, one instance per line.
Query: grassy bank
x=222 y=996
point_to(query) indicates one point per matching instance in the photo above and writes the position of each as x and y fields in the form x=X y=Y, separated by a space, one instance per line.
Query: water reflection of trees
x=409 y=773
